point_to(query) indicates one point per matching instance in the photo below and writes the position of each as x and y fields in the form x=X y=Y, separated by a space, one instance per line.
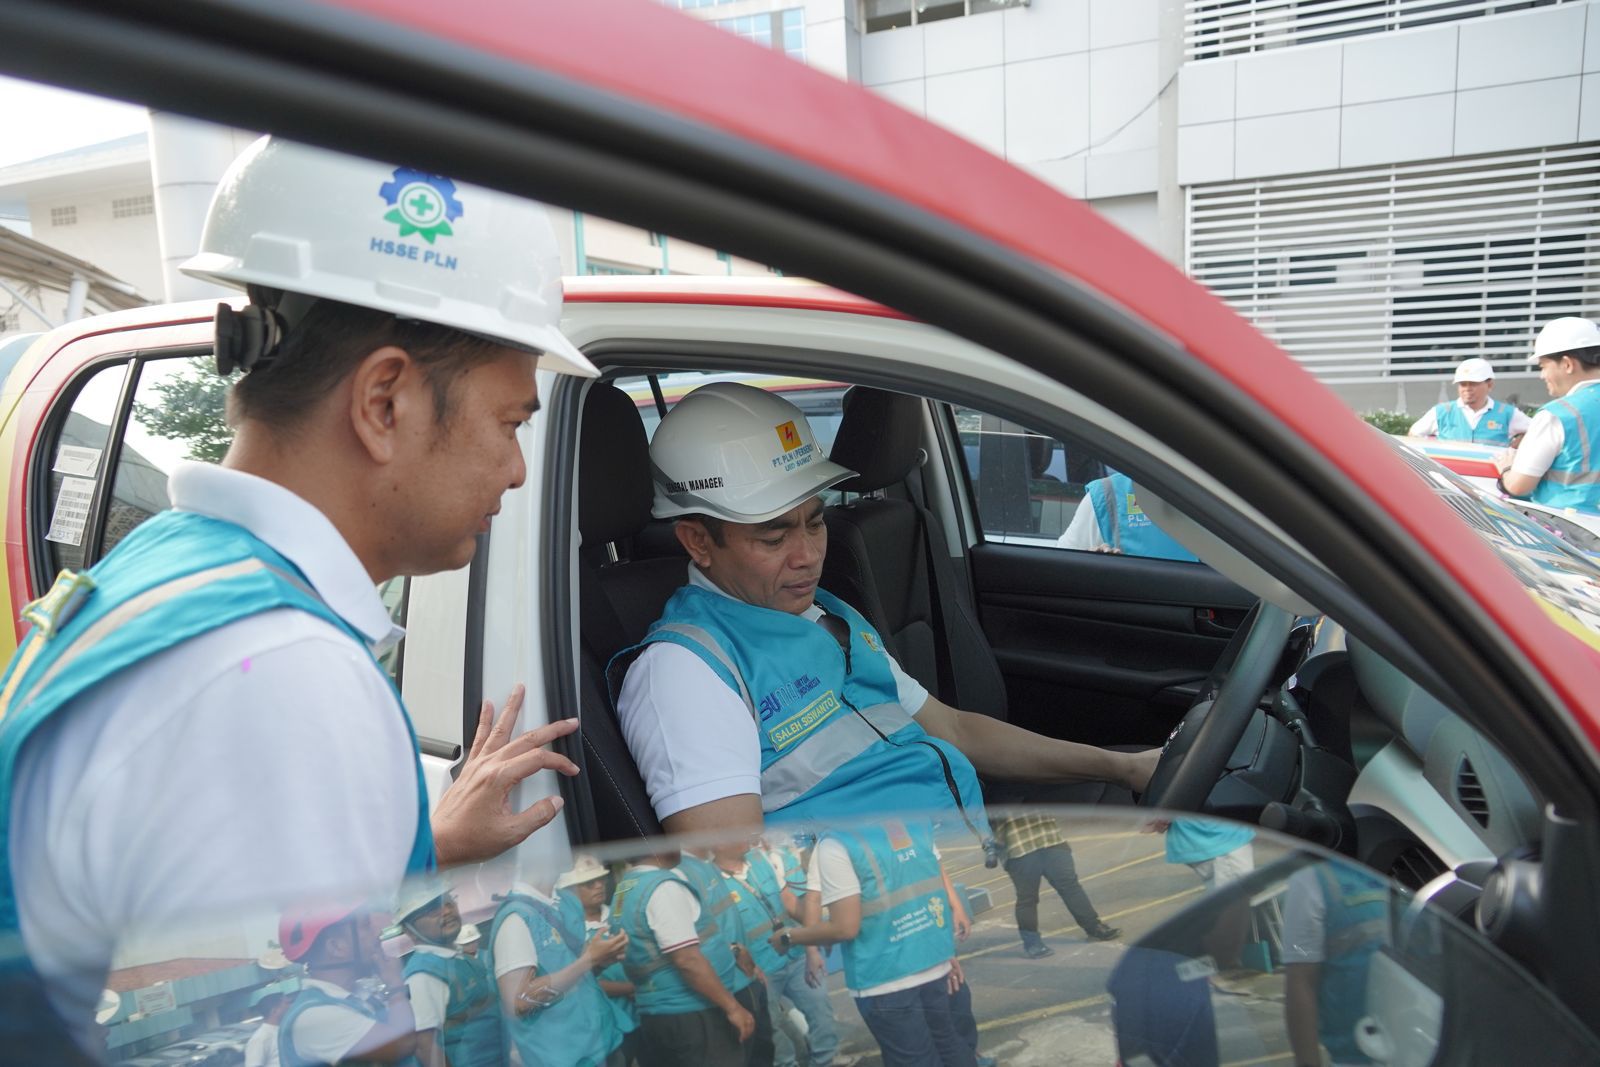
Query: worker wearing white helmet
x=395 y=323
x=1558 y=462
x=1474 y=415
x=454 y=1003
x=744 y=697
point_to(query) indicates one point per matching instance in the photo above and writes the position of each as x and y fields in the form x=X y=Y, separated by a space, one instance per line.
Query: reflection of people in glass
x=1037 y=849
x=453 y=997
x=758 y=887
x=749 y=986
x=1109 y=519
x=545 y=970
x=352 y=1003
x=273 y=1000
x=1334 y=918
x=890 y=911
x=585 y=887
x=1219 y=852
x=682 y=970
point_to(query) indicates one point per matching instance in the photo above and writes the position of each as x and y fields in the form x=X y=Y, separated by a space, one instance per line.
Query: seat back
x=882 y=556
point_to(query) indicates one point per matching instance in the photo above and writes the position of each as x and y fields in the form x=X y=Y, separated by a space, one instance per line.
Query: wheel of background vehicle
x=1197 y=751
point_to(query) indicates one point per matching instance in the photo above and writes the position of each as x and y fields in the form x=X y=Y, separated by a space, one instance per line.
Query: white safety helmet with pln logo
x=738 y=453
x=298 y=219
x=1474 y=370
x=1565 y=335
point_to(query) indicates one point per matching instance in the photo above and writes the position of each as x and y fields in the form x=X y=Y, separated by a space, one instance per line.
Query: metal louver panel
x=1415 y=867
x=1404 y=270
x=1228 y=27
x=1469 y=791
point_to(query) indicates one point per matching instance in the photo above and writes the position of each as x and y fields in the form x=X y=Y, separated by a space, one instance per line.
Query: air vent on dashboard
x=1414 y=867
x=1469 y=792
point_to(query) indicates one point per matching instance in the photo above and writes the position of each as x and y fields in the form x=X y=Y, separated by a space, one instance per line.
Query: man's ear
x=695 y=539
x=385 y=400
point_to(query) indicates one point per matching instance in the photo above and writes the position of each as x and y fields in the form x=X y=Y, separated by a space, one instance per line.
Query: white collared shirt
x=1428 y=425
x=514 y=949
x=430 y=994
x=326 y=1033
x=692 y=737
x=260 y=763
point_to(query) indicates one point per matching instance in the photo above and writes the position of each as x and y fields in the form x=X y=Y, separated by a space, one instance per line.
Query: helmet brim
x=759 y=504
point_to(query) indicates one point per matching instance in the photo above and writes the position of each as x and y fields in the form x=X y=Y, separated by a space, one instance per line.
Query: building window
x=128 y=207
x=893 y=14
x=10 y=320
x=63 y=216
x=599 y=267
x=1228 y=27
x=1378 y=273
x=784 y=30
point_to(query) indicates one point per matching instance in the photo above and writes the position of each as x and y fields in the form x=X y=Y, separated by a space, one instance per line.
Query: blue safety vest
x=312 y=997
x=717 y=904
x=905 y=912
x=175 y=577
x=835 y=744
x=577 y=1030
x=623 y=1012
x=471 y=1030
x=658 y=987
x=1494 y=425
x=1355 y=926
x=1124 y=525
x=759 y=899
x=1573 y=480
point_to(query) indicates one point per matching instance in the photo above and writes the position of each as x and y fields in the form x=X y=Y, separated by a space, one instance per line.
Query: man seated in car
x=756 y=691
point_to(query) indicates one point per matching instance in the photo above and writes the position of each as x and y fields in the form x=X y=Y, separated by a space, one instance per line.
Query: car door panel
x=1098 y=647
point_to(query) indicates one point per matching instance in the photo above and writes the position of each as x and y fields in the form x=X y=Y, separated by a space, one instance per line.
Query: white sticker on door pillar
x=72 y=511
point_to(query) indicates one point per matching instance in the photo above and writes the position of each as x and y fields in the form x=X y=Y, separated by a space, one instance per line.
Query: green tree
x=1390 y=421
x=192 y=408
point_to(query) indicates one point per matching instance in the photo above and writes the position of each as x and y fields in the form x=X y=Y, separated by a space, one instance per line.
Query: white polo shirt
x=326 y=1033
x=263 y=763
x=834 y=876
x=692 y=737
x=430 y=994
x=1428 y=425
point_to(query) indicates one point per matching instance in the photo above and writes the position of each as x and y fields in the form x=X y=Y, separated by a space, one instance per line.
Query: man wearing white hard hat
x=454 y=1002
x=388 y=349
x=757 y=693
x=1474 y=415
x=584 y=888
x=1558 y=462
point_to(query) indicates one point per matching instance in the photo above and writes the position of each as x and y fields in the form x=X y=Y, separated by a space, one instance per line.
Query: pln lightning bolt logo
x=420 y=203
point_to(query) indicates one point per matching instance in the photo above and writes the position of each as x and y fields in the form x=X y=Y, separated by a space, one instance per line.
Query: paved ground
x=1055 y=1011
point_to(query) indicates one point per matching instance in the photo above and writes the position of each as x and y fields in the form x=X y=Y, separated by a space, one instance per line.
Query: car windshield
x=1552 y=556
x=1087 y=936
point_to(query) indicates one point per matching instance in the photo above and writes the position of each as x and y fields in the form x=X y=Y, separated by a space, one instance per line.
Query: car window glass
x=1270 y=951
x=77 y=467
x=1031 y=488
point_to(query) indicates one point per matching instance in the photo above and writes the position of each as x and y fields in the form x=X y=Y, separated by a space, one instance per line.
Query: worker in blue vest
x=1335 y=917
x=1474 y=415
x=889 y=910
x=758 y=693
x=1109 y=519
x=585 y=894
x=545 y=968
x=758 y=888
x=374 y=427
x=749 y=982
x=454 y=1001
x=353 y=1006
x=682 y=966
x=1558 y=461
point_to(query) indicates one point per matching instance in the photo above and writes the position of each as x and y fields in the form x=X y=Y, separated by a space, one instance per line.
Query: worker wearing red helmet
x=352 y=1004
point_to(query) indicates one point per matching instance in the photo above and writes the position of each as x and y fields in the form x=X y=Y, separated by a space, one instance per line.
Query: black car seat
x=619 y=596
x=887 y=559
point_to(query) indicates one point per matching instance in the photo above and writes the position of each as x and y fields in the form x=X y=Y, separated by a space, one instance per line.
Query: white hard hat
x=739 y=453
x=1474 y=370
x=303 y=220
x=469 y=933
x=584 y=869
x=1564 y=335
x=417 y=895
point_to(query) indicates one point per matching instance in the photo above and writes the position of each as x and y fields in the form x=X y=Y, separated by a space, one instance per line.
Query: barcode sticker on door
x=72 y=511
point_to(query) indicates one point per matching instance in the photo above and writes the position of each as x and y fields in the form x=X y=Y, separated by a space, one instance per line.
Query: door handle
x=1208 y=623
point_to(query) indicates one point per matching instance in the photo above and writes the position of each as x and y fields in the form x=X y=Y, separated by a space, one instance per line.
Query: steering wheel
x=1197 y=751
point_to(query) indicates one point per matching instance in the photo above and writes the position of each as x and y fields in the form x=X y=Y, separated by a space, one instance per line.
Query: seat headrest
x=614 y=489
x=880 y=438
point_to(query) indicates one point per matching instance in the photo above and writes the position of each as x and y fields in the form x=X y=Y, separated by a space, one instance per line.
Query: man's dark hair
x=1589 y=357
x=331 y=340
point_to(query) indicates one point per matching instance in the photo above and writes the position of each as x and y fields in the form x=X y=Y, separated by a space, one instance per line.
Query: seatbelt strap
x=942 y=577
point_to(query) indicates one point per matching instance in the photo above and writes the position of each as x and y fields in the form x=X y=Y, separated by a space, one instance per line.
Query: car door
x=1100 y=642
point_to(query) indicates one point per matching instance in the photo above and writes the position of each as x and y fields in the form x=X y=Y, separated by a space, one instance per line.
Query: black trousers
x=1054 y=865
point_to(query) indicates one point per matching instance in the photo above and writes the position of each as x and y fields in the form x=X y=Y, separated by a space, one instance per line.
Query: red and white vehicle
x=1438 y=700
